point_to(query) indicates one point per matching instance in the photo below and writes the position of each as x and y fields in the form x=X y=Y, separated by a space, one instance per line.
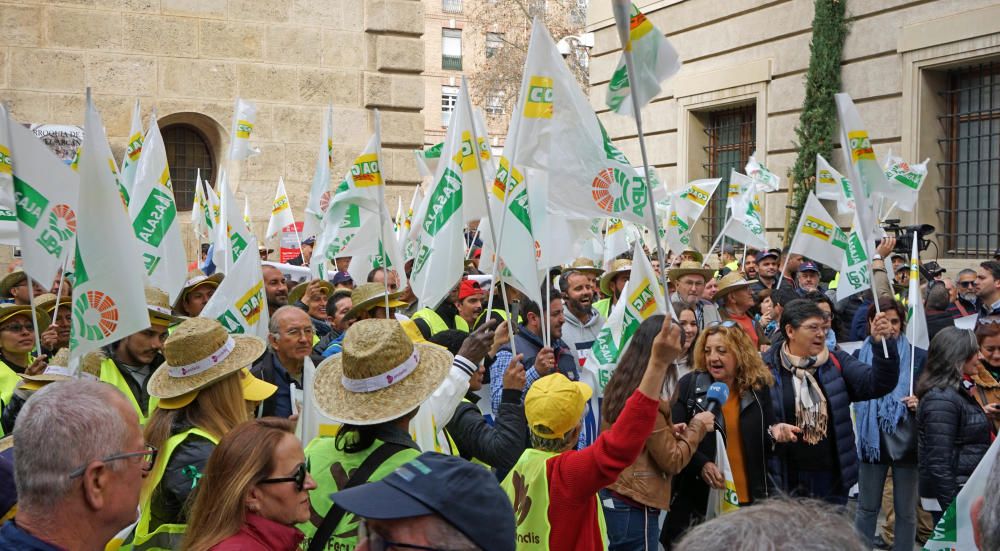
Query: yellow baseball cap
x=554 y=405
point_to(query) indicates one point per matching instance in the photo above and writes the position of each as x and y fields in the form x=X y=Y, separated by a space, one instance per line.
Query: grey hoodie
x=579 y=336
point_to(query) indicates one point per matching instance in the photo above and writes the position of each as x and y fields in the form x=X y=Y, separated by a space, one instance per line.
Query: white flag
x=866 y=176
x=427 y=159
x=246 y=214
x=471 y=156
x=154 y=217
x=691 y=201
x=133 y=151
x=405 y=238
x=321 y=190
x=747 y=226
x=6 y=162
x=109 y=302
x=831 y=185
x=818 y=237
x=312 y=421
x=244 y=118
x=232 y=237
x=854 y=274
x=916 y=322
x=764 y=178
x=281 y=211
x=240 y=303
x=559 y=133
x=654 y=59
x=739 y=195
x=46 y=194
x=201 y=217
x=954 y=531
x=8 y=227
x=906 y=178
x=616 y=240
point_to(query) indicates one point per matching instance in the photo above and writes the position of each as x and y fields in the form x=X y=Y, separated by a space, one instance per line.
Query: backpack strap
x=836 y=362
x=360 y=476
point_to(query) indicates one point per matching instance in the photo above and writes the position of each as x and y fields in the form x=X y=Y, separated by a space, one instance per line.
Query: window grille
x=732 y=138
x=451 y=49
x=187 y=151
x=451 y=6
x=494 y=41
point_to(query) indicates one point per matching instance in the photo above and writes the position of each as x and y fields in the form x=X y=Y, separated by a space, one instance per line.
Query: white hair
x=274 y=324
x=61 y=427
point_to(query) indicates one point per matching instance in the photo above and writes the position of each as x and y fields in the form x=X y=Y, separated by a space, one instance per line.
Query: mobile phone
x=515 y=314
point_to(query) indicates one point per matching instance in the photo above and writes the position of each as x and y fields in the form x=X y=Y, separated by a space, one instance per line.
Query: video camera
x=904 y=236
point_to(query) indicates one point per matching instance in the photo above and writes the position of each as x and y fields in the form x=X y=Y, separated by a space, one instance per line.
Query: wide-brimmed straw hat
x=731 y=282
x=697 y=256
x=198 y=353
x=10 y=281
x=195 y=279
x=158 y=305
x=299 y=290
x=619 y=266
x=8 y=311
x=584 y=265
x=56 y=370
x=689 y=267
x=379 y=376
x=371 y=295
x=47 y=302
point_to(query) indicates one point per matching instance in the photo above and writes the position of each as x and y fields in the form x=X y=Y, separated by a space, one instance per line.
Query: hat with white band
x=198 y=353
x=196 y=279
x=381 y=374
x=158 y=304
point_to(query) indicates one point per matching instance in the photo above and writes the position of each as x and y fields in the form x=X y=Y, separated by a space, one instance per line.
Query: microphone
x=718 y=393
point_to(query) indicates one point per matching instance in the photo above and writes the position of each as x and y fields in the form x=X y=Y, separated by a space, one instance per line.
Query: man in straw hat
x=15 y=286
x=131 y=361
x=290 y=337
x=311 y=296
x=590 y=270
x=368 y=302
x=736 y=300
x=553 y=488
x=376 y=387
x=435 y=501
x=689 y=279
x=197 y=291
x=612 y=283
x=56 y=336
x=80 y=464
x=583 y=321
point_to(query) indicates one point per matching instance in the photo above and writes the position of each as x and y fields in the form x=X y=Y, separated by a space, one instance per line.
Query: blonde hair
x=751 y=373
x=243 y=458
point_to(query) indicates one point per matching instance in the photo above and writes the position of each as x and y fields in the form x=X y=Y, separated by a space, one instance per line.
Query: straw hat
x=370 y=295
x=689 y=267
x=619 y=266
x=198 y=353
x=381 y=374
x=299 y=290
x=10 y=281
x=584 y=265
x=8 y=311
x=697 y=256
x=158 y=304
x=731 y=282
x=56 y=370
x=196 y=278
x=47 y=302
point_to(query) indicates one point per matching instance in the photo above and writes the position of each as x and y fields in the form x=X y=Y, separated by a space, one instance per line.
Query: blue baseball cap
x=341 y=277
x=766 y=254
x=808 y=266
x=465 y=495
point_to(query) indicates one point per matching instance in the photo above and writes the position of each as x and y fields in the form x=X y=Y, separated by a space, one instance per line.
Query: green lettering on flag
x=352 y=217
x=444 y=202
x=855 y=251
x=229 y=321
x=7 y=215
x=151 y=261
x=239 y=244
x=434 y=152
x=30 y=203
x=519 y=208
x=155 y=218
x=80 y=269
x=610 y=150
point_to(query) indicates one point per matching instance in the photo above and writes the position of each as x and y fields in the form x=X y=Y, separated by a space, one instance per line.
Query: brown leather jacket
x=647 y=481
x=986 y=391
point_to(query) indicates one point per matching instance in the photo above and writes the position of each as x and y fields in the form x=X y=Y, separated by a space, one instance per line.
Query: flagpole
x=298 y=240
x=621 y=13
x=62 y=277
x=475 y=234
x=913 y=345
x=489 y=218
x=34 y=313
x=781 y=274
x=381 y=215
x=722 y=234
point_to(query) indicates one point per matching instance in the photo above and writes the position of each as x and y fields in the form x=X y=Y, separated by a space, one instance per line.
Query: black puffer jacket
x=169 y=503
x=953 y=436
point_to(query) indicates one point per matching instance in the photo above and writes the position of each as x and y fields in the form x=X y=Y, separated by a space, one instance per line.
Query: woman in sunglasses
x=254 y=491
x=17 y=340
x=725 y=354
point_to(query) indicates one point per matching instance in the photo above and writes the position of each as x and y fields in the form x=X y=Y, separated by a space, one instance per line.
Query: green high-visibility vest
x=603 y=306
x=436 y=322
x=111 y=375
x=531 y=501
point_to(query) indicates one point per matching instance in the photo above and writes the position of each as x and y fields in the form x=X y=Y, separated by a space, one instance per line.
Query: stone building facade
x=925 y=77
x=190 y=59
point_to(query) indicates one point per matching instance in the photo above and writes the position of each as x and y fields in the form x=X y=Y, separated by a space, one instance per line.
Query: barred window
x=449 y=99
x=187 y=151
x=451 y=6
x=731 y=140
x=971 y=167
x=494 y=103
x=494 y=41
x=451 y=49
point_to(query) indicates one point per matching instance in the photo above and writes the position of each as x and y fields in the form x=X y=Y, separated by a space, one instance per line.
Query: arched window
x=187 y=151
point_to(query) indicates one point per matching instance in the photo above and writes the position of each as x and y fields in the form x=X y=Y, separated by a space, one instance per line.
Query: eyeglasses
x=966 y=283
x=728 y=324
x=377 y=543
x=300 y=332
x=18 y=327
x=149 y=455
x=299 y=478
x=813 y=328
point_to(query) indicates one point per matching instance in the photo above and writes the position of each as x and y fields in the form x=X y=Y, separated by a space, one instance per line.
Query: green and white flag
x=213 y=208
x=854 y=274
x=866 y=176
x=321 y=191
x=427 y=159
x=560 y=134
x=201 y=213
x=954 y=531
x=405 y=237
x=904 y=176
x=691 y=201
x=6 y=162
x=641 y=299
x=475 y=152
x=46 y=201
x=818 y=237
x=8 y=227
x=766 y=180
x=240 y=302
x=133 y=150
x=109 y=302
x=154 y=217
x=281 y=212
x=833 y=186
x=618 y=239
x=654 y=60
x=916 y=321
x=232 y=238
x=246 y=214
x=747 y=225
x=244 y=118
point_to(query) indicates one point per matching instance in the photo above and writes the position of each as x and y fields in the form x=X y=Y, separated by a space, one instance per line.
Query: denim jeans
x=630 y=528
x=871 y=479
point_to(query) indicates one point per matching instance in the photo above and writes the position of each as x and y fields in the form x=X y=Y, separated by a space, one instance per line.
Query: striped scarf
x=810 y=402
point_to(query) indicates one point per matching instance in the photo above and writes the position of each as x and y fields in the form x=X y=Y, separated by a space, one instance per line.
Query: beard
x=969 y=297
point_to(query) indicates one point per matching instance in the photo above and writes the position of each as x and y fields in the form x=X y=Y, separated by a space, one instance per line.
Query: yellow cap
x=554 y=405
x=254 y=389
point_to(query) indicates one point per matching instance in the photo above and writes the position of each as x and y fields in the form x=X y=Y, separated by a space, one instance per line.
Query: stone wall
x=191 y=58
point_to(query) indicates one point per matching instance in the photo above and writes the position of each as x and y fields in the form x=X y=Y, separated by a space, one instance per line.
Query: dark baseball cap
x=808 y=266
x=309 y=241
x=766 y=254
x=461 y=493
x=341 y=277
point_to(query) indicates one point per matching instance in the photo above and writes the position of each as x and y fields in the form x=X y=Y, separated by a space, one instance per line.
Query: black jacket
x=139 y=391
x=690 y=497
x=499 y=446
x=169 y=502
x=265 y=370
x=953 y=435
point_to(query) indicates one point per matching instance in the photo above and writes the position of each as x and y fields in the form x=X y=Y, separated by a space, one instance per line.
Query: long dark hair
x=631 y=366
x=948 y=351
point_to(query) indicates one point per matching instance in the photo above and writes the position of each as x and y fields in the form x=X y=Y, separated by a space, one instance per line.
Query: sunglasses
x=728 y=324
x=18 y=327
x=966 y=283
x=299 y=478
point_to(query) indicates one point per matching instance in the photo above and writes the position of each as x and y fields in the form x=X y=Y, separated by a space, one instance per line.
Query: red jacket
x=576 y=476
x=261 y=534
